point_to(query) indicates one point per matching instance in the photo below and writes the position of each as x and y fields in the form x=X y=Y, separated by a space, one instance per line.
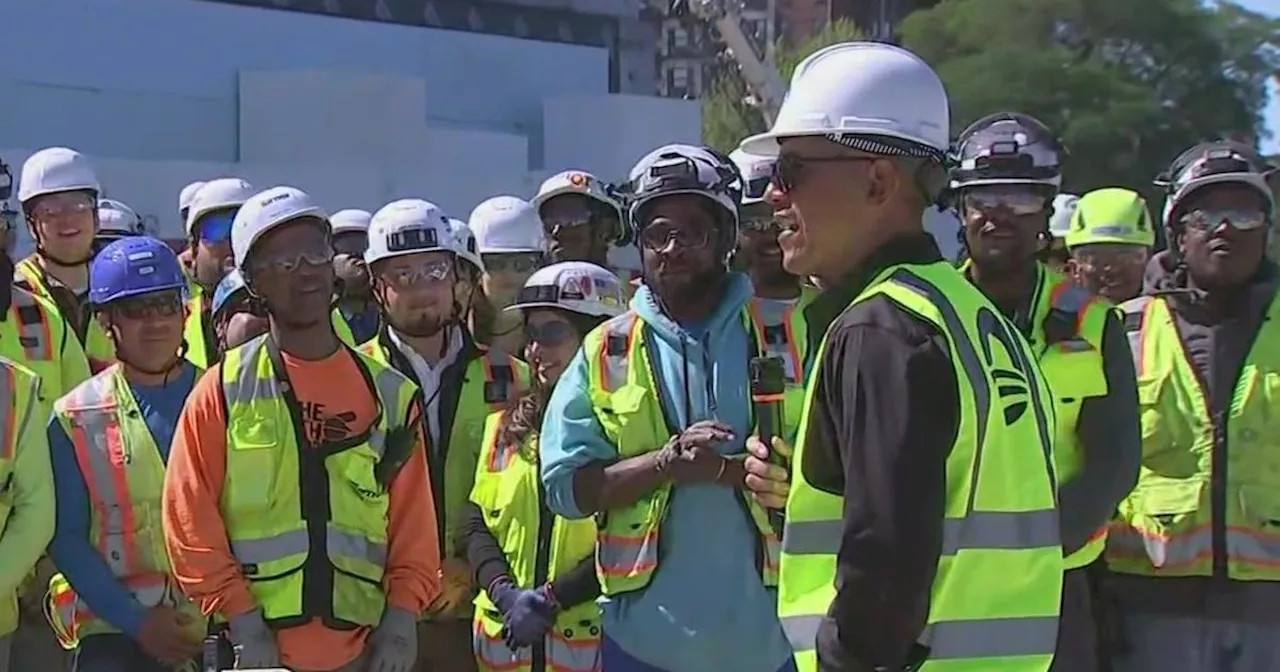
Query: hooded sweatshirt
x=706 y=608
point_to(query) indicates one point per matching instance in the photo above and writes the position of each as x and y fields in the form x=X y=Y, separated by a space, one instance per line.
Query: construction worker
x=414 y=263
x=537 y=611
x=59 y=194
x=777 y=308
x=470 y=272
x=26 y=504
x=581 y=219
x=355 y=299
x=1194 y=571
x=899 y=552
x=185 y=197
x=1109 y=239
x=115 y=602
x=1054 y=242
x=237 y=318
x=209 y=218
x=509 y=235
x=638 y=431
x=327 y=580
x=1009 y=172
x=115 y=221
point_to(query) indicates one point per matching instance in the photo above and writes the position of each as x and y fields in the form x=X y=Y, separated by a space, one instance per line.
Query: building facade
x=690 y=52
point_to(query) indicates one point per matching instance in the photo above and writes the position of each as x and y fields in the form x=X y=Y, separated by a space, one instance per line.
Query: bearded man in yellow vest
x=1193 y=552
x=921 y=528
x=115 y=602
x=1009 y=171
x=415 y=260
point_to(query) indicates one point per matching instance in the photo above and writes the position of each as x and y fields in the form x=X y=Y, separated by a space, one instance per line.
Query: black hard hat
x=1007 y=148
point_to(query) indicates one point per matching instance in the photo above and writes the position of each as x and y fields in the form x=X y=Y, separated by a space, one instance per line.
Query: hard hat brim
x=561 y=306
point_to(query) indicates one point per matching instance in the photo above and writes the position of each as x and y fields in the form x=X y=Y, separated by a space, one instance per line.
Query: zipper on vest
x=1217 y=460
x=542 y=564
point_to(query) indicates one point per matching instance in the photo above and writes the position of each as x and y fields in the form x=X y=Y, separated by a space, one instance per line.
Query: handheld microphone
x=768 y=390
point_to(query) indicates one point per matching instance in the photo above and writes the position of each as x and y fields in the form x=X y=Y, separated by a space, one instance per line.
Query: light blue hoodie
x=706 y=608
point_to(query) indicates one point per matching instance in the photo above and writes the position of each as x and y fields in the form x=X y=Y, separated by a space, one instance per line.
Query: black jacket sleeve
x=887 y=418
x=481 y=549
x=578 y=585
x=1110 y=436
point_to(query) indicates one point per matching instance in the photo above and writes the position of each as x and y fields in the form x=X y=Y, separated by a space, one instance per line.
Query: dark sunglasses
x=789 y=169
x=550 y=333
x=1241 y=219
x=157 y=305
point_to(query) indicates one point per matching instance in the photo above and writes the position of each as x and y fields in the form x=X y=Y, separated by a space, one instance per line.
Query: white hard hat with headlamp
x=576 y=286
x=350 y=220
x=506 y=224
x=866 y=90
x=676 y=169
x=465 y=241
x=224 y=193
x=56 y=170
x=584 y=184
x=756 y=172
x=187 y=194
x=1064 y=208
x=408 y=226
x=116 y=217
x=266 y=211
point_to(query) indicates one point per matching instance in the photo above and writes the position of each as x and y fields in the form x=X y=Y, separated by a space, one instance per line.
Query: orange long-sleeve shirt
x=197 y=537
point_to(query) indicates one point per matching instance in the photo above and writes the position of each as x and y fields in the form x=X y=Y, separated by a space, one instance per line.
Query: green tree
x=1127 y=84
x=727 y=117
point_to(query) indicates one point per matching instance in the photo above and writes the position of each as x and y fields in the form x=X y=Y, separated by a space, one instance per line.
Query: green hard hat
x=1111 y=215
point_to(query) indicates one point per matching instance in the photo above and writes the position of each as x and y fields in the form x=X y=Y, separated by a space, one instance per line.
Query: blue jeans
x=614 y=659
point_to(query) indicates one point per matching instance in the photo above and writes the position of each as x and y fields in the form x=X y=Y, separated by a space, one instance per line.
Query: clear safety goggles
x=1002 y=199
x=1242 y=219
x=404 y=276
x=64 y=204
x=659 y=237
x=285 y=263
x=512 y=262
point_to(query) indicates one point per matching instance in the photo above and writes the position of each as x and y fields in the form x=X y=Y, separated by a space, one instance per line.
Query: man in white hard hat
x=580 y=218
x=509 y=236
x=415 y=258
x=355 y=298
x=1054 y=251
x=59 y=194
x=184 y=205
x=208 y=225
x=472 y=268
x=297 y=504
x=884 y=565
x=115 y=221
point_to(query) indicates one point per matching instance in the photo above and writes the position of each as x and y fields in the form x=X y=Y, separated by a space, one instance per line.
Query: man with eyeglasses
x=415 y=259
x=1008 y=172
x=510 y=240
x=209 y=216
x=642 y=428
x=1194 y=566
x=1109 y=238
x=115 y=602
x=297 y=507
x=920 y=530
x=580 y=218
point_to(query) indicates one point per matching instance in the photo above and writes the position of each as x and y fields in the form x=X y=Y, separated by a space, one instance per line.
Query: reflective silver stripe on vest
x=339 y=543
x=31 y=327
x=91 y=410
x=11 y=425
x=950 y=640
x=1134 y=313
x=983 y=530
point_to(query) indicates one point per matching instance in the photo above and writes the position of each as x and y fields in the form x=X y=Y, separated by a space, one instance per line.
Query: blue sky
x=1271 y=145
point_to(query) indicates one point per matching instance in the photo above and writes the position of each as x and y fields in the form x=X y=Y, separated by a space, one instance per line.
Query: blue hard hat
x=133 y=266
x=230 y=285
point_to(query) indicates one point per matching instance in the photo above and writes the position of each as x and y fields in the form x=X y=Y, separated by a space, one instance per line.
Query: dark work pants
x=444 y=645
x=113 y=653
x=1077 y=626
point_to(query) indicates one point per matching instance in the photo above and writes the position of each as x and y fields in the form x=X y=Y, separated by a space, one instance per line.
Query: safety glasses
x=406 y=276
x=150 y=306
x=215 y=227
x=550 y=333
x=658 y=237
x=512 y=262
x=1110 y=256
x=288 y=263
x=1015 y=201
x=1242 y=219
x=63 y=204
x=789 y=170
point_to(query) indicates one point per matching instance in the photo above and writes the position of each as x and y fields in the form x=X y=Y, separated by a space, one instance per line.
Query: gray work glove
x=254 y=644
x=393 y=645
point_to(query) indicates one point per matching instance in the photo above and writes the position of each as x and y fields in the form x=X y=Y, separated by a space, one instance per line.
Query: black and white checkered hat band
x=887 y=146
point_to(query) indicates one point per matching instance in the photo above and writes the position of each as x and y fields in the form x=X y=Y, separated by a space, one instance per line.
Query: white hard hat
x=578 y=286
x=506 y=224
x=1064 y=206
x=869 y=89
x=408 y=226
x=465 y=241
x=55 y=170
x=265 y=211
x=579 y=182
x=219 y=194
x=115 y=216
x=756 y=172
x=676 y=169
x=188 y=193
x=350 y=220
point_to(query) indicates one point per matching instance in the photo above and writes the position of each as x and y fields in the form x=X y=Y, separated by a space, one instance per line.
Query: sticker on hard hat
x=412 y=239
x=572 y=289
x=578 y=180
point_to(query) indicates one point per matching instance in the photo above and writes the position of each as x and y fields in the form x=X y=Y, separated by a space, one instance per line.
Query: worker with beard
x=355 y=294
x=642 y=429
x=209 y=218
x=297 y=506
x=1195 y=572
x=777 y=308
x=921 y=531
x=115 y=602
x=1008 y=174
x=59 y=194
x=581 y=220
x=415 y=262
x=1109 y=239
x=509 y=236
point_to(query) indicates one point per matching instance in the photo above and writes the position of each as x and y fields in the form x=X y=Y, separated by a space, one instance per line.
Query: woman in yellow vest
x=115 y=602
x=537 y=611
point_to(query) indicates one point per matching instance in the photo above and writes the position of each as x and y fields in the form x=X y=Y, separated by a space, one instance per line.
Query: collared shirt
x=429 y=376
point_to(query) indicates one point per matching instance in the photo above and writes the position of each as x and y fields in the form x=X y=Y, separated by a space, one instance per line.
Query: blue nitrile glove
x=527 y=615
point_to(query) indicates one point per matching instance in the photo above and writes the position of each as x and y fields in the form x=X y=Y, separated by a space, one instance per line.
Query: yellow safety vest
x=96 y=344
x=34 y=334
x=124 y=473
x=276 y=540
x=20 y=388
x=1171 y=523
x=492 y=381
x=995 y=600
x=780 y=331
x=508 y=491
x=1073 y=367
x=625 y=398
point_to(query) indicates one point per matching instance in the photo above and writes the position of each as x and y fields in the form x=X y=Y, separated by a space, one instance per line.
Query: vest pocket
x=253 y=446
x=1169 y=513
x=620 y=409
